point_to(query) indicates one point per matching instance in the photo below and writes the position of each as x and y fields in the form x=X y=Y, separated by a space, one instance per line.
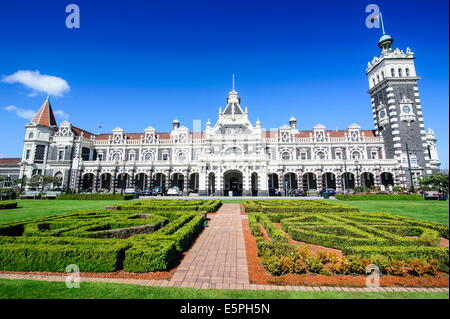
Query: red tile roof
x=10 y=161
x=77 y=131
x=44 y=115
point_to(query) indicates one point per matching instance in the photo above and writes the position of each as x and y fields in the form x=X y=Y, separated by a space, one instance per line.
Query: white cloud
x=49 y=84
x=61 y=114
x=23 y=113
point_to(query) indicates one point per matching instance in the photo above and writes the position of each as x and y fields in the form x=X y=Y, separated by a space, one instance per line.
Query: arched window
x=407 y=72
x=233 y=150
x=285 y=156
x=116 y=157
x=182 y=156
x=31 y=135
x=392 y=72
x=378 y=78
x=400 y=72
x=382 y=75
x=356 y=155
x=148 y=157
x=321 y=155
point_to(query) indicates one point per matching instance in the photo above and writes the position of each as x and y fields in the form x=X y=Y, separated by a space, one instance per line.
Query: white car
x=174 y=191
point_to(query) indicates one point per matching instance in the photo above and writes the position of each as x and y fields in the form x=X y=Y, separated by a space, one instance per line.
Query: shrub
x=397 y=268
x=314 y=263
x=8 y=204
x=150 y=256
x=95 y=196
x=420 y=267
x=382 y=262
x=349 y=197
x=431 y=237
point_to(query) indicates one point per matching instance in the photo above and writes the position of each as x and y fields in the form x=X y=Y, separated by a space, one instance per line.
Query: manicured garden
x=28 y=289
x=285 y=231
x=131 y=239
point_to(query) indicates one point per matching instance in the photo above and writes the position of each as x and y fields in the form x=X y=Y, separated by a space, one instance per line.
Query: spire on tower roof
x=44 y=115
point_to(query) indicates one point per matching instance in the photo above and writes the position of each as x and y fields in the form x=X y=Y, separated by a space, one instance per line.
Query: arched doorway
x=211 y=183
x=105 y=181
x=290 y=181
x=367 y=179
x=233 y=183
x=348 y=180
x=329 y=180
x=254 y=184
x=141 y=181
x=159 y=180
x=122 y=181
x=309 y=181
x=59 y=180
x=193 y=183
x=387 y=179
x=178 y=180
x=88 y=182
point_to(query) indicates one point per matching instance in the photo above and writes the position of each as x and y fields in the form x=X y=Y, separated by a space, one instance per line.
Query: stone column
x=150 y=180
x=281 y=182
x=186 y=183
x=79 y=182
x=97 y=180
x=246 y=183
x=319 y=180
x=339 y=185
x=263 y=184
x=114 y=181
x=132 y=182
x=202 y=183
x=300 y=180
x=168 y=182
x=219 y=183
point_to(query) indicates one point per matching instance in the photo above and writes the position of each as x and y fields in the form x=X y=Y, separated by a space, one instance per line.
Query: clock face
x=382 y=114
x=406 y=109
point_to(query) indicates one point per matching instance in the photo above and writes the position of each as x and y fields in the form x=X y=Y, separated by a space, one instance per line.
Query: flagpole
x=382 y=24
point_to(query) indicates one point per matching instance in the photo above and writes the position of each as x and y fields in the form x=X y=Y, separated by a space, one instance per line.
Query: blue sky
x=138 y=63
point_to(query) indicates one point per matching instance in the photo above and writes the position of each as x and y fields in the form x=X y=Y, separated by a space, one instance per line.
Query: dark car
x=297 y=192
x=274 y=192
x=328 y=191
x=147 y=192
x=158 y=190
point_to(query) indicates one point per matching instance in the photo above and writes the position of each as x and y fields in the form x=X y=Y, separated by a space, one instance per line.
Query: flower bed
x=397 y=245
x=99 y=241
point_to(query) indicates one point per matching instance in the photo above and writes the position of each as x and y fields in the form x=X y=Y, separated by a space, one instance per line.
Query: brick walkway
x=218 y=258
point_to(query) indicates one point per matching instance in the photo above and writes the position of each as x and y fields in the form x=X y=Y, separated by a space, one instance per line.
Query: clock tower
x=397 y=111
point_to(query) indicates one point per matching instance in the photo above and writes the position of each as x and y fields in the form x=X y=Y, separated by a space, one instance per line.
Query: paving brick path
x=218 y=260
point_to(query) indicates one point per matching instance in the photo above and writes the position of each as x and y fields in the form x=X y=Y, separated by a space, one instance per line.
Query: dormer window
x=407 y=72
x=392 y=72
x=400 y=72
x=61 y=155
x=31 y=135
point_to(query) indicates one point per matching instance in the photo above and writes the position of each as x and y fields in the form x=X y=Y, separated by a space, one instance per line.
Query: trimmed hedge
x=379 y=197
x=8 y=205
x=173 y=205
x=95 y=196
x=98 y=241
x=295 y=206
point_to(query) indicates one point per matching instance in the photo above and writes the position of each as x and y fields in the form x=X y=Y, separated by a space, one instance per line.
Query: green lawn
x=29 y=289
x=435 y=211
x=40 y=208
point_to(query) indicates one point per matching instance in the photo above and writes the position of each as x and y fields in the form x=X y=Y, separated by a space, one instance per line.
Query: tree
x=435 y=181
x=41 y=181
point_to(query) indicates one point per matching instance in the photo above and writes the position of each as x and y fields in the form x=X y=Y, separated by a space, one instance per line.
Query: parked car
x=147 y=192
x=174 y=191
x=132 y=190
x=434 y=195
x=274 y=192
x=158 y=190
x=297 y=192
x=329 y=191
